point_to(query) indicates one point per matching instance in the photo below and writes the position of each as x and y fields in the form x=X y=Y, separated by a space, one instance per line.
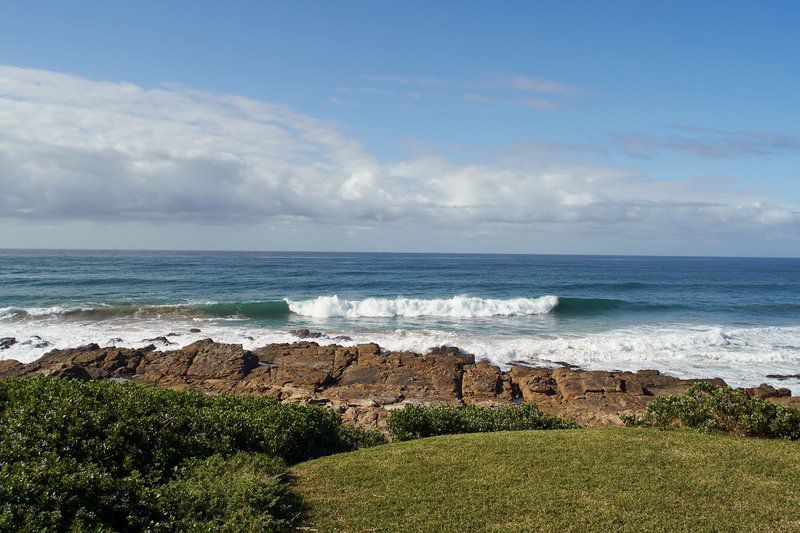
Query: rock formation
x=7 y=342
x=363 y=383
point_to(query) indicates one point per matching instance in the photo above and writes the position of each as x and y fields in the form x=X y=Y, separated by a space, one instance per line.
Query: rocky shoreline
x=363 y=383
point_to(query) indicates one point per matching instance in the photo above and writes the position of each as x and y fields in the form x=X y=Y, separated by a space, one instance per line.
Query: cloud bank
x=76 y=149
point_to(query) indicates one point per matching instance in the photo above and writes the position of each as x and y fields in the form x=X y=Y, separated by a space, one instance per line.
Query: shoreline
x=363 y=383
x=742 y=356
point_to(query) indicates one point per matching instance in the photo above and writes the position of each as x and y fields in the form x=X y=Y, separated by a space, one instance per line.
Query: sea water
x=737 y=318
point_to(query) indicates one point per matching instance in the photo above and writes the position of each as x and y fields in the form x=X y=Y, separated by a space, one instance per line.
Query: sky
x=667 y=128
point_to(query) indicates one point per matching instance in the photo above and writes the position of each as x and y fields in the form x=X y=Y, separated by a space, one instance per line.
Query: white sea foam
x=8 y=312
x=455 y=307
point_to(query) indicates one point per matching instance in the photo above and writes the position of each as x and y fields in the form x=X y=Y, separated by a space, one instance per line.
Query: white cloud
x=75 y=149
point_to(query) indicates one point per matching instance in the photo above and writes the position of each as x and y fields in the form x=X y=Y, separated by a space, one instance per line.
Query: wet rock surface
x=163 y=340
x=7 y=342
x=306 y=334
x=363 y=382
x=783 y=376
x=36 y=342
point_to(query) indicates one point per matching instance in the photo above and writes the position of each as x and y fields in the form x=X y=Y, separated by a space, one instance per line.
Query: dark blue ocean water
x=736 y=317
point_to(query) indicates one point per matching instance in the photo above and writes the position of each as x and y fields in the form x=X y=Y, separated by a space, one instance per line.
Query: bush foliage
x=709 y=408
x=89 y=454
x=418 y=421
x=245 y=492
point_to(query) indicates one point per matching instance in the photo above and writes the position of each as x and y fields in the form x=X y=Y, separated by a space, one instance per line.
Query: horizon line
x=383 y=252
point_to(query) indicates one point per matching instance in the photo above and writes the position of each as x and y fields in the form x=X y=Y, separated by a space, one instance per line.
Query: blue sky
x=681 y=115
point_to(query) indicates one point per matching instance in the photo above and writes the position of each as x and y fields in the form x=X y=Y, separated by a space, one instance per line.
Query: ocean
x=736 y=318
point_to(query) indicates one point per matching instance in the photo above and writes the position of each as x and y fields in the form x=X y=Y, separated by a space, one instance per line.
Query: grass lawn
x=600 y=480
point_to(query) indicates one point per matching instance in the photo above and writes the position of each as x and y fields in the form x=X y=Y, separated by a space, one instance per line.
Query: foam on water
x=455 y=307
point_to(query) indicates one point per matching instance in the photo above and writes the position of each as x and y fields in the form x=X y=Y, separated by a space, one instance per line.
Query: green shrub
x=418 y=421
x=46 y=492
x=354 y=438
x=707 y=408
x=245 y=492
x=86 y=454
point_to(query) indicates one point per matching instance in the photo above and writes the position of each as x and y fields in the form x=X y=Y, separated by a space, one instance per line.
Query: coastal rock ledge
x=363 y=383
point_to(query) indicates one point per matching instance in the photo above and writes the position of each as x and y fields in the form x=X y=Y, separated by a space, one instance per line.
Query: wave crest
x=455 y=307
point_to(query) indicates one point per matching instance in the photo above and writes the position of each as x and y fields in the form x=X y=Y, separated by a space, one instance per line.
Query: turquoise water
x=734 y=317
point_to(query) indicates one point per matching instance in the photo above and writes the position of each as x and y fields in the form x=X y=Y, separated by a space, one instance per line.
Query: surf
x=455 y=307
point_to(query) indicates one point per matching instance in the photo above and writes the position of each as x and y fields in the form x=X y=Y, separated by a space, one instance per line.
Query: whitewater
x=455 y=307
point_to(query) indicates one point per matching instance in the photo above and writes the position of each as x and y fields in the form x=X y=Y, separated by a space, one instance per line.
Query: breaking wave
x=455 y=307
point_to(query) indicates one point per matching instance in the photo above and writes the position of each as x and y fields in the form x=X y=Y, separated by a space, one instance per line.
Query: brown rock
x=578 y=383
x=568 y=382
x=765 y=391
x=94 y=362
x=632 y=384
x=217 y=366
x=444 y=350
x=305 y=365
x=395 y=376
x=368 y=349
x=211 y=360
x=10 y=367
x=787 y=401
x=67 y=371
x=654 y=383
x=598 y=381
x=483 y=383
x=533 y=381
x=259 y=382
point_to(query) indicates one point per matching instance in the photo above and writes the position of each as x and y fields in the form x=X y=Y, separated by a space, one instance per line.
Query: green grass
x=600 y=480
